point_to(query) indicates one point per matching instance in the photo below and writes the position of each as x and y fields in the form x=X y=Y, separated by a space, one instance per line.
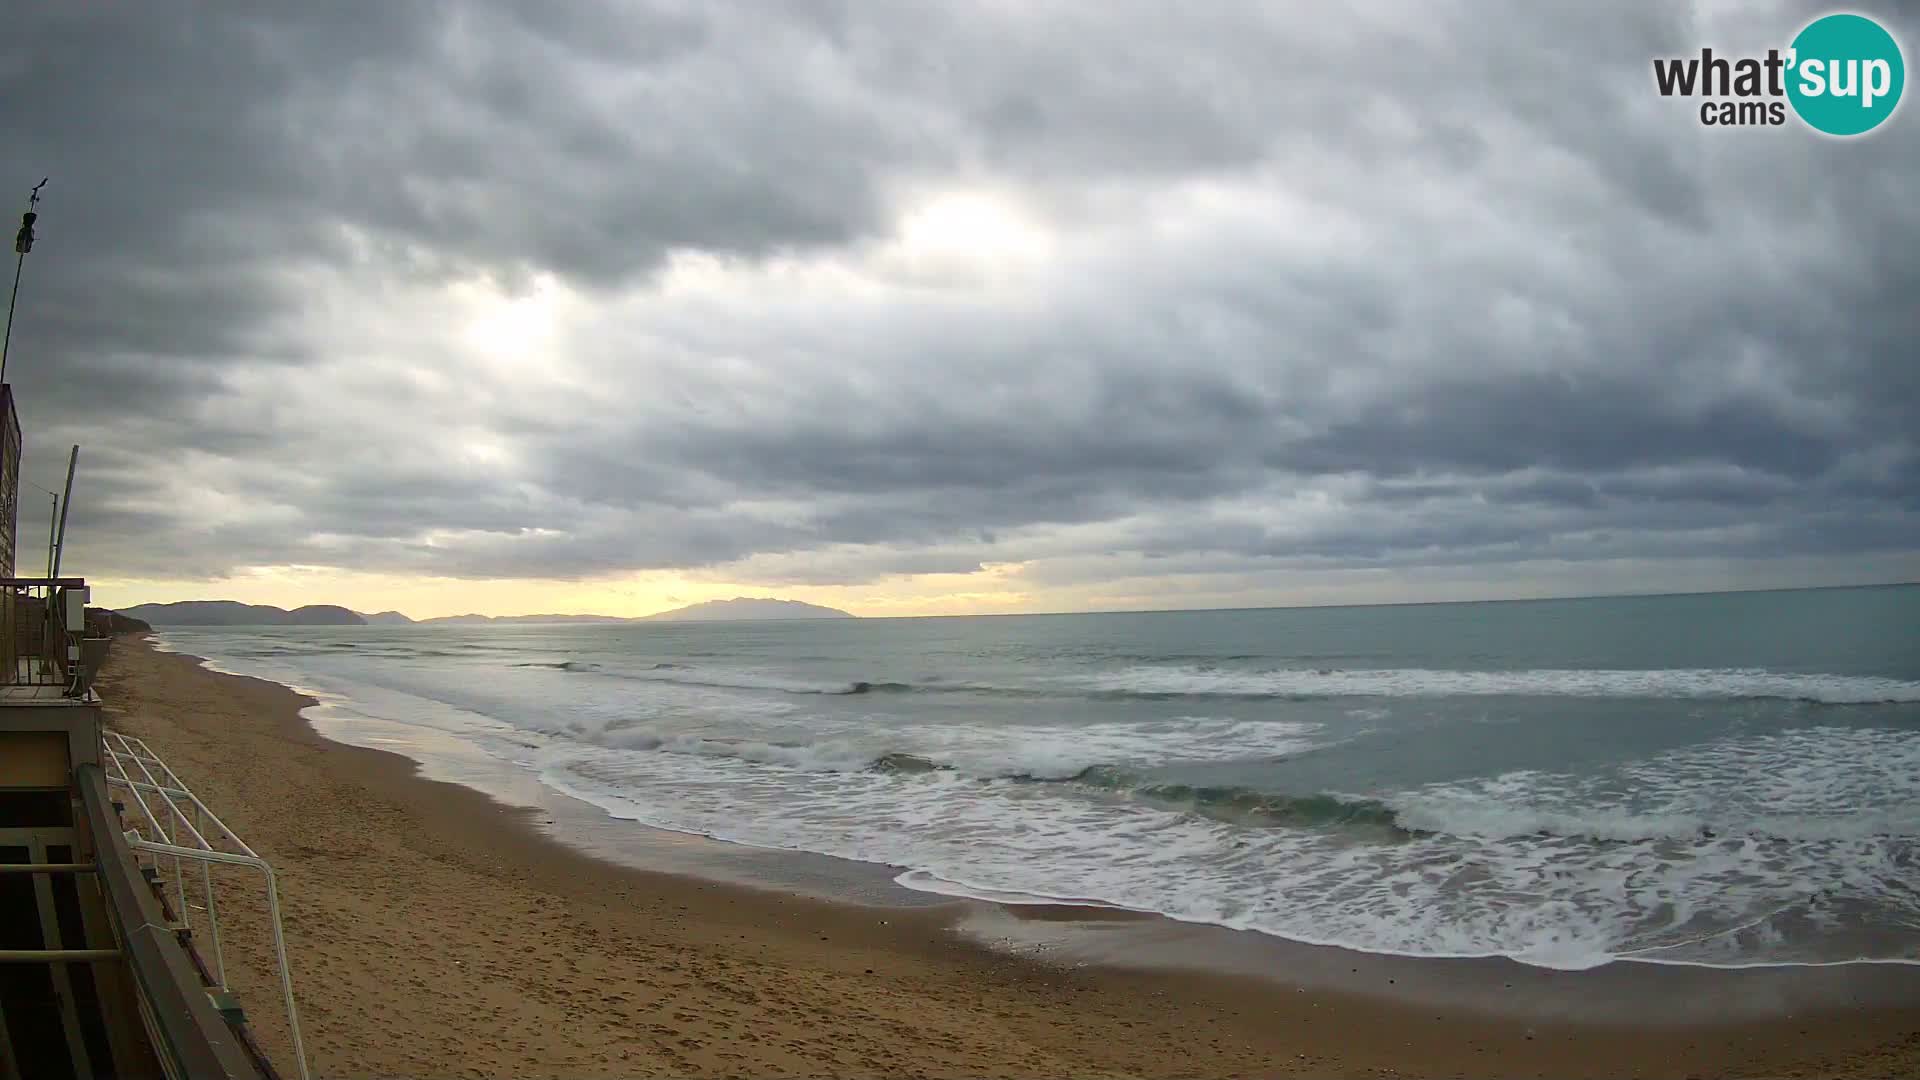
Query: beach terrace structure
x=100 y=971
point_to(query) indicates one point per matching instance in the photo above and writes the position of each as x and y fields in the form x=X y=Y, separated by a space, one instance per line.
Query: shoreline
x=741 y=973
x=584 y=824
x=1086 y=932
x=1090 y=930
x=584 y=827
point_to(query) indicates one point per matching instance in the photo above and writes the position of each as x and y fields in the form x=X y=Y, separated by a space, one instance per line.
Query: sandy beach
x=436 y=932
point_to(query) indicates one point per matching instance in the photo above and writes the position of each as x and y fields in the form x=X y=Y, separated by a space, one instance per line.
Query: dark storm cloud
x=1601 y=422
x=1427 y=286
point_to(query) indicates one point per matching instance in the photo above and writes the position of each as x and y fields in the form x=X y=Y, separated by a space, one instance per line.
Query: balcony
x=48 y=655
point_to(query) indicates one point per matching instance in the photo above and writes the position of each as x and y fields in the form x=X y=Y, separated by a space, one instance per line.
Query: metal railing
x=183 y=1027
x=44 y=641
x=189 y=831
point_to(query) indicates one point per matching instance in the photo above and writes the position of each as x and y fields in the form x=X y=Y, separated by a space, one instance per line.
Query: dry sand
x=435 y=933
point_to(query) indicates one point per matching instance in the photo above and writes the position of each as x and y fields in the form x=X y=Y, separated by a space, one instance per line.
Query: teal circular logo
x=1846 y=74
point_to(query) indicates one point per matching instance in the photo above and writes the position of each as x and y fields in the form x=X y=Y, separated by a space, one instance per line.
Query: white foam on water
x=989 y=837
x=1711 y=683
x=1523 y=874
x=921 y=881
x=1036 y=752
x=1816 y=783
x=722 y=678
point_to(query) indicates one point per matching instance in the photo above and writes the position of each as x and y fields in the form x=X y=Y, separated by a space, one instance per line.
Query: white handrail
x=154 y=759
x=200 y=810
x=159 y=823
x=179 y=879
x=273 y=914
x=120 y=749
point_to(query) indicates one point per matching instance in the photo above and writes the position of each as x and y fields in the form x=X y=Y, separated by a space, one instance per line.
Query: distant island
x=233 y=613
x=738 y=609
x=484 y=620
x=744 y=608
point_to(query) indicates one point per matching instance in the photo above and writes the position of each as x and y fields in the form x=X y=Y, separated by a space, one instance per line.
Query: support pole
x=66 y=503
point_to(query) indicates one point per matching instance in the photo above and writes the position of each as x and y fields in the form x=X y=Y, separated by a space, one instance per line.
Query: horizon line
x=1089 y=611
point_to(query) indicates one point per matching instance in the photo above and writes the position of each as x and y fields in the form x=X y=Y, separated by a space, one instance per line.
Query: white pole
x=66 y=503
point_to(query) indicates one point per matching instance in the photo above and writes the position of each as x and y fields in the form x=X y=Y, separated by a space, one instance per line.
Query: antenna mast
x=22 y=243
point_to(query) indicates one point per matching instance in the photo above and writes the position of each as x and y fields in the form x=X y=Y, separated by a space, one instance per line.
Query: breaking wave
x=1160 y=682
x=1421 y=813
x=1306 y=683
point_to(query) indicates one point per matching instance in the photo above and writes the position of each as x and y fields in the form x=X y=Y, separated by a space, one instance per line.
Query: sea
x=1721 y=779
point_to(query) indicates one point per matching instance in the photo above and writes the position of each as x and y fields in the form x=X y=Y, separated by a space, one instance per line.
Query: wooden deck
x=37 y=681
x=42 y=695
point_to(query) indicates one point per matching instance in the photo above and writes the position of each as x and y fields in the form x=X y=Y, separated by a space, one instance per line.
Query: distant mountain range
x=104 y=623
x=232 y=613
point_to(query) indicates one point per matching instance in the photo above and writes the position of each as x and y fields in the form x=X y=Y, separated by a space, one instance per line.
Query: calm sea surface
x=1721 y=779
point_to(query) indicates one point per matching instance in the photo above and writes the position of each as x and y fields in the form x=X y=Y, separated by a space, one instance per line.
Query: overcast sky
x=951 y=307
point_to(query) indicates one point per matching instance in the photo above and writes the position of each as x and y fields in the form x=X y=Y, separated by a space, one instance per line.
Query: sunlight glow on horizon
x=984 y=592
x=995 y=589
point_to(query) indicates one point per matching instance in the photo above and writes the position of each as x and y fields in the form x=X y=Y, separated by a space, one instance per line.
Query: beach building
x=110 y=956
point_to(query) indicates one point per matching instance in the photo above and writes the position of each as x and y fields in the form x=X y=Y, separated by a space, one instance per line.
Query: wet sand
x=436 y=931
